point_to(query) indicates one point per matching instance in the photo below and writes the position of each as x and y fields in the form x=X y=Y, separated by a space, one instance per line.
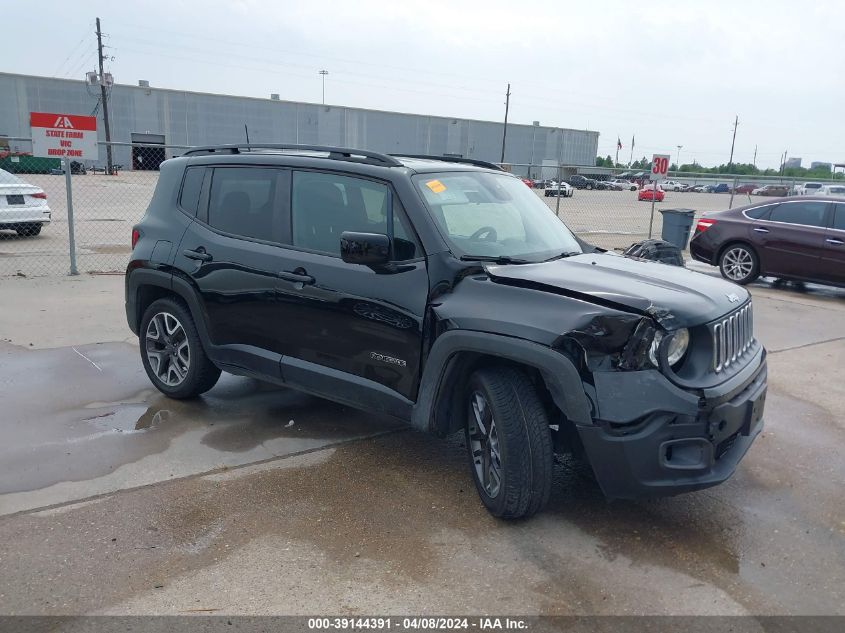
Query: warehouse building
x=144 y=115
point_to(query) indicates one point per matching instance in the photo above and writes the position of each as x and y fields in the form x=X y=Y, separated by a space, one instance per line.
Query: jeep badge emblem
x=732 y=298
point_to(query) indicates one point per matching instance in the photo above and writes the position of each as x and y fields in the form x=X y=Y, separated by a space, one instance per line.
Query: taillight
x=42 y=195
x=703 y=225
x=136 y=234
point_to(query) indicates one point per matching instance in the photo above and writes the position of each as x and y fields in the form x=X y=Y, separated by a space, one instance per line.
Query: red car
x=528 y=183
x=647 y=192
x=746 y=188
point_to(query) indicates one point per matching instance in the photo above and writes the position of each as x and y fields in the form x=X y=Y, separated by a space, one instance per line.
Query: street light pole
x=680 y=147
x=324 y=73
x=533 y=138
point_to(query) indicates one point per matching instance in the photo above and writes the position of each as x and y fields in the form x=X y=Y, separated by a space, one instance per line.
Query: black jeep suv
x=445 y=293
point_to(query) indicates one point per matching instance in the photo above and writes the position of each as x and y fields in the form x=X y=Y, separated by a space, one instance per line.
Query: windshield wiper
x=495 y=259
x=562 y=255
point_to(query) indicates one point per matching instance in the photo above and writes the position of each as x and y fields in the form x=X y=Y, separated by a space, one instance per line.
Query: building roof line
x=304 y=103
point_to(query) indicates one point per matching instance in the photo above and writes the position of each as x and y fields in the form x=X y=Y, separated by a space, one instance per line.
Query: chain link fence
x=107 y=205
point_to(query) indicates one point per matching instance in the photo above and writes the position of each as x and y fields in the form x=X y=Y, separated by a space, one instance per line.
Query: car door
x=353 y=330
x=791 y=240
x=231 y=255
x=833 y=258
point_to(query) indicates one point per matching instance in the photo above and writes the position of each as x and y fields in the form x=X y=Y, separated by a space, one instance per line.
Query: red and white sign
x=64 y=136
x=659 y=166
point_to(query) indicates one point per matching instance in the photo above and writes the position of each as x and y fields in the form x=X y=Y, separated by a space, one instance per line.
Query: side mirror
x=364 y=248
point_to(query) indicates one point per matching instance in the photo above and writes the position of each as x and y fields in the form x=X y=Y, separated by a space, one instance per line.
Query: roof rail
x=334 y=153
x=453 y=159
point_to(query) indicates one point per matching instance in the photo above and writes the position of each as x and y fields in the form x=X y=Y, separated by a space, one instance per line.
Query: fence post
x=559 y=183
x=651 y=221
x=70 y=228
x=733 y=191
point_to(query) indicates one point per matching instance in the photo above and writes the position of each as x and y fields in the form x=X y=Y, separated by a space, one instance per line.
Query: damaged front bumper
x=652 y=438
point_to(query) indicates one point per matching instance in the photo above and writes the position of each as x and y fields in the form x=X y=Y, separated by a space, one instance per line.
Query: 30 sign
x=659 y=166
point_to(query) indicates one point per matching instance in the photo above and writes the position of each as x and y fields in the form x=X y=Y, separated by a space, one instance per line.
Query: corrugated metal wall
x=189 y=118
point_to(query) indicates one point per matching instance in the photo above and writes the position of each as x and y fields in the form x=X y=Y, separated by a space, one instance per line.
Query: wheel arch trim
x=558 y=373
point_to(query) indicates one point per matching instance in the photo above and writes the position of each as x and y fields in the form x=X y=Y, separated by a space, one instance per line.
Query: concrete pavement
x=117 y=500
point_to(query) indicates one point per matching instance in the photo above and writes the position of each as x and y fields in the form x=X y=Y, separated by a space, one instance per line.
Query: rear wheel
x=509 y=442
x=739 y=263
x=172 y=353
x=28 y=230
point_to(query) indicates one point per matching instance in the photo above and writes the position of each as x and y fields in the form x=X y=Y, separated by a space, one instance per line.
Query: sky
x=667 y=73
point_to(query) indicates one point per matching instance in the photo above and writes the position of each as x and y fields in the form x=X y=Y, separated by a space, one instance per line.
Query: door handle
x=299 y=278
x=831 y=240
x=199 y=254
x=760 y=229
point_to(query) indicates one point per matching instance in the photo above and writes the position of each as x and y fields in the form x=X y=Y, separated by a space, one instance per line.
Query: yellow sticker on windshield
x=436 y=186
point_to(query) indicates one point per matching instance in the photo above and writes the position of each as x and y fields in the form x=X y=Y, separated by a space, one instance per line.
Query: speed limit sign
x=659 y=166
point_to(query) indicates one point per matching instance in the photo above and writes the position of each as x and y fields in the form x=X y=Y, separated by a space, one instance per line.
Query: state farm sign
x=64 y=136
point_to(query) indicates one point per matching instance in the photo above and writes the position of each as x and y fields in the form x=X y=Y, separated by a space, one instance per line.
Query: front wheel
x=739 y=263
x=172 y=352
x=509 y=442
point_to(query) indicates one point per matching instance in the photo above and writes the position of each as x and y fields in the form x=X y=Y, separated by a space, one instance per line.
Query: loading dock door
x=146 y=155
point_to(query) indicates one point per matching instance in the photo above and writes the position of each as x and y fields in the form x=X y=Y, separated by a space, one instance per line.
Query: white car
x=672 y=185
x=559 y=189
x=810 y=188
x=831 y=190
x=625 y=184
x=23 y=207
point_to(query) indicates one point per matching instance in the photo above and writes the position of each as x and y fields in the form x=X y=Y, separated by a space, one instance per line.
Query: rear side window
x=760 y=213
x=807 y=213
x=242 y=202
x=839 y=217
x=189 y=198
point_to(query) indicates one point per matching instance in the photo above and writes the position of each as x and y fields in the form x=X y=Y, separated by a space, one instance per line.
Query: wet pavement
x=117 y=500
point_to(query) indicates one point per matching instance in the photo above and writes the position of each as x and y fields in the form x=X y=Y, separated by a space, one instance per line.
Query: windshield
x=494 y=215
x=8 y=179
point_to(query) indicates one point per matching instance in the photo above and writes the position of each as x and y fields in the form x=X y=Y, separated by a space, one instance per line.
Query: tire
x=589 y=187
x=28 y=230
x=504 y=400
x=739 y=263
x=168 y=334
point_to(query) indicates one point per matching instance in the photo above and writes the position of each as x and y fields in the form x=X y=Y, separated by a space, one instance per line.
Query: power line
x=73 y=51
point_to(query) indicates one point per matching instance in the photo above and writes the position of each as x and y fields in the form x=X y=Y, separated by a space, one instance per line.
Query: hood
x=674 y=296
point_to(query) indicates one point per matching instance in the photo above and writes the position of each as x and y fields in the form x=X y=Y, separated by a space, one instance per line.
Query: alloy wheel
x=484 y=445
x=167 y=348
x=737 y=263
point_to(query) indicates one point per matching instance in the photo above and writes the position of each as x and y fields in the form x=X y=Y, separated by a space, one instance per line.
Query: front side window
x=324 y=205
x=484 y=214
x=807 y=213
x=243 y=200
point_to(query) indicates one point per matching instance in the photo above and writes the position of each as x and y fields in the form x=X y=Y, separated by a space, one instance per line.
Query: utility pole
x=505 y=130
x=680 y=147
x=754 y=162
x=324 y=73
x=733 y=142
x=105 y=100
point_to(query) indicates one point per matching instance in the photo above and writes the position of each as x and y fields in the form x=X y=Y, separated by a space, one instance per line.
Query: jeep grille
x=732 y=336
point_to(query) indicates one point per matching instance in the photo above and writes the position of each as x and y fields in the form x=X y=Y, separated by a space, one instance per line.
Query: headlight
x=678 y=344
